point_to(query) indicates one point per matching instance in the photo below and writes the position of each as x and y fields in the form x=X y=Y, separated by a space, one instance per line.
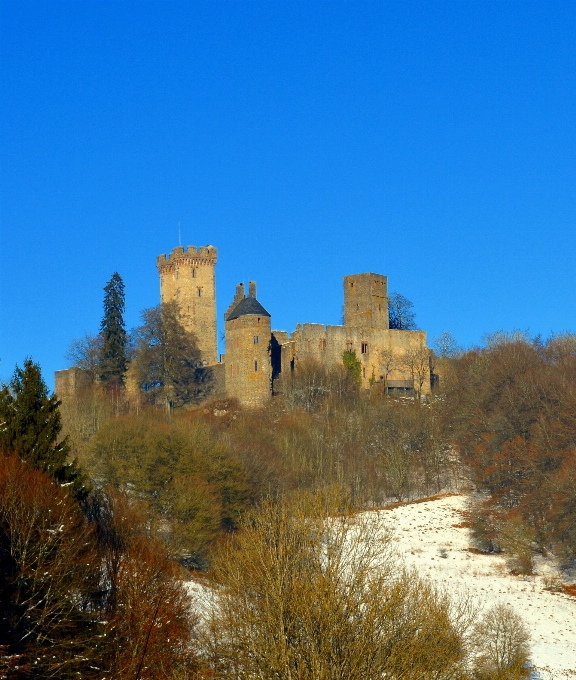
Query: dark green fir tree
x=113 y=361
x=30 y=426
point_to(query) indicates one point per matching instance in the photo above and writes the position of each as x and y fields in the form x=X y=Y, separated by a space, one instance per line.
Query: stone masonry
x=248 y=368
x=188 y=276
x=255 y=354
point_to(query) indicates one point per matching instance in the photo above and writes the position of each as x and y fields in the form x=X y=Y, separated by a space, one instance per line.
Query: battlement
x=197 y=255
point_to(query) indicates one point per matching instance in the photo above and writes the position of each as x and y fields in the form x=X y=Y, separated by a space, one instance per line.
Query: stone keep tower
x=366 y=301
x=188 y=276
x=248 y=366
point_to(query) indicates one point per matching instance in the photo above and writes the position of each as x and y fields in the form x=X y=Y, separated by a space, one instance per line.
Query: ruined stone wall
x=68 y=381
x=326 y=344
x=366 y=301
x=247 y=360
x=281 y=336
x=188 y=276
x=218 y=386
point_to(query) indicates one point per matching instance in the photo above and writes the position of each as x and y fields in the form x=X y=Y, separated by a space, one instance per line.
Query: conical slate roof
x=249 y=305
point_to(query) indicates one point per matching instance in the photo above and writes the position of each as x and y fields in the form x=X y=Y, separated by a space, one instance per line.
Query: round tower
x=188 y=276
x=248 y=365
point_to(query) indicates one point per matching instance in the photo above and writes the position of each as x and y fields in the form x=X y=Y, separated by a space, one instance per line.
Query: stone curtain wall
x=327 y=344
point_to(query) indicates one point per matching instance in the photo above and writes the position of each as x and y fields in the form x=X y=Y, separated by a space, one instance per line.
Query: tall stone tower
x=188 y=276
x=248 y=366
x=366 y=301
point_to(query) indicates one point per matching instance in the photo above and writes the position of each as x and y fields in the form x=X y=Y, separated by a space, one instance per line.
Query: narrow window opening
x=357 y=306
x=199 y=292
x=322 y=344
x=364 y=348
x=364 y=372
x=258 y=319
x=193 y=273
x=256 y=365
x=255 y=339
x=176 y=273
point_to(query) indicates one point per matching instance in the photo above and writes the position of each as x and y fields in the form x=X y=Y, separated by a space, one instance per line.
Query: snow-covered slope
x=423 y=531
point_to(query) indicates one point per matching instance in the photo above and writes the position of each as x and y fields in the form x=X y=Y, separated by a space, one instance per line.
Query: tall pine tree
x=30 y=426
x=113 y=361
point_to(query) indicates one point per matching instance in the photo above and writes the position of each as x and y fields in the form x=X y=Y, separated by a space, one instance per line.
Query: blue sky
x=434 y=142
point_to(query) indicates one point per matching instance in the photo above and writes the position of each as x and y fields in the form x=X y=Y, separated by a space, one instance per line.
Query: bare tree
x=85 y=354
x=168 y=360
x=400 y=313
x=446 y=346
x=416 y=360
x=388 y=363
x=302 y=594
x=501 y=640
x=48 y=561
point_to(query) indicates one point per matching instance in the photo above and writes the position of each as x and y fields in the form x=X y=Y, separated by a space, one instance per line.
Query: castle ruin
x=255 y=353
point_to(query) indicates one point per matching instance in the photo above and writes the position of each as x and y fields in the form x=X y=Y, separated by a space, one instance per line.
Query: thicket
x=88 y=595
x=504 y=414
x=199 y=470
x=510 y=410
x=93 y=585
x=308 y=591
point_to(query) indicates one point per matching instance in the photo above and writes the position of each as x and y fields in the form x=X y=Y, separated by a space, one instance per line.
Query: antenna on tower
x=179 y=237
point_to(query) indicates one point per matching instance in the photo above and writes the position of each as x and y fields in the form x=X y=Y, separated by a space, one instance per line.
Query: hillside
x=426 y=531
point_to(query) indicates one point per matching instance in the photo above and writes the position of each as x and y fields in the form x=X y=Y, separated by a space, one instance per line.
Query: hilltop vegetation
x=155 y=492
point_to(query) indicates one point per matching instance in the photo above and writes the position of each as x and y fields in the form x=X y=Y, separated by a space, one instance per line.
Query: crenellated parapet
x=191 y=256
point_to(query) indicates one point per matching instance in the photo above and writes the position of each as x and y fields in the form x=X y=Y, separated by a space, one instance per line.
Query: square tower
x=188 y=276
x=366 y=301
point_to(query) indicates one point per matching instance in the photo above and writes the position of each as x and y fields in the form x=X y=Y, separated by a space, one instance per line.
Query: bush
x=192 y=485
x=501 y=646
x=302 y=594
x=49 y=576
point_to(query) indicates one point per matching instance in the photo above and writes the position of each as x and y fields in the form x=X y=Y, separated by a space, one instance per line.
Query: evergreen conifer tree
x=113 y=361
x=30 y=425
